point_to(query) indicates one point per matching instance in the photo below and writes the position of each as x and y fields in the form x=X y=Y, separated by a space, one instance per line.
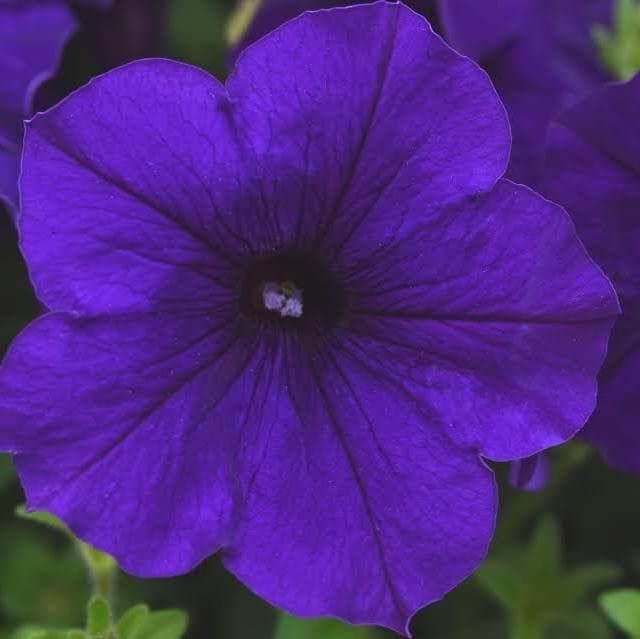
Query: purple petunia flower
x=32 y=35
x=291 y=315
x=593 y=168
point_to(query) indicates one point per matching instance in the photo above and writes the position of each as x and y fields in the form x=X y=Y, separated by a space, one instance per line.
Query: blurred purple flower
x=32 y=35
x=531 y=473
x=539 y=69
x=593 y=169
x=290 y=314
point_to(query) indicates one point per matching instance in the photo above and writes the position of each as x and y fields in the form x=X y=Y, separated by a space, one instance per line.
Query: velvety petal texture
x=32 y=36
x=593 y=169
x=332 y=448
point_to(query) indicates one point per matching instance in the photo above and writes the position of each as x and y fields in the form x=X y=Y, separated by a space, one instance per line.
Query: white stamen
x=282 y=298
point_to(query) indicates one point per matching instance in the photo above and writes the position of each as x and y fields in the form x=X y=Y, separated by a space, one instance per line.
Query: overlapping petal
x=32 y=35
x=593 y=168
x=550 y=65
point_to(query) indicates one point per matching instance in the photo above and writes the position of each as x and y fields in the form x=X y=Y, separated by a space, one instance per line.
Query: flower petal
x=32 y=36
x=613 y=428
x=550 y=65
x=135 y=171
x=493 y=315
x=128 y=430
x=354 y=506
x=378 y=104
x=593 y=168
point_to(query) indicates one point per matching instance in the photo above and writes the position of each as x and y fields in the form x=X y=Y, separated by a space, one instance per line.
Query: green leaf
x=130 y=624
x=500 y=579
x=619 y=47
x=76 y=634
x=537 y=593
x=581 y=624
x=544 y=554
x=622 y=607
x=165 y=624
x=98 y=616
x=295 y=628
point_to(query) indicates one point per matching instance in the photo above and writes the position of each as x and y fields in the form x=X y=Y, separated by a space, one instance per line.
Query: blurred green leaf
x=130 y=623
x=295 y=628
x=196 y=32
x=622 y=607
x=581 y=624
x=534 y=589
x=619 y=47
x=7 y=473
x=39 y=585
x=240 y=20
x=164 y=624
x=101 y=566
x=98 y=616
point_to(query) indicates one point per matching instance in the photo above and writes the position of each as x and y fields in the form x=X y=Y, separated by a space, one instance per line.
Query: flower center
x=293 y=289
x=282 y=298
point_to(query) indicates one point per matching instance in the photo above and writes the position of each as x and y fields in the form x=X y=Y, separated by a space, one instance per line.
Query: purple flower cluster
x=290 y=318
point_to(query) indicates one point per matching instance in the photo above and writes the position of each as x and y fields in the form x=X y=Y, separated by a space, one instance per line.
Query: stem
x=522 y=629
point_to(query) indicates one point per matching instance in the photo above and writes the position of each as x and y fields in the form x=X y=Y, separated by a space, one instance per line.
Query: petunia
x=32 y=35
x=593 y=168
x=291 y=316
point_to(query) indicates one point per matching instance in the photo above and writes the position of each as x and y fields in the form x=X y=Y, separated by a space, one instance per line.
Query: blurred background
x=554 y=554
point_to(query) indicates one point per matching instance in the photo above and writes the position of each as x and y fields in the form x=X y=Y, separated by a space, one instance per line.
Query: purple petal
x=32 y=37
x=126 y=435
x=531 y=474
x=593 y=169
x=144 y=199
x=615 y=424
x=496 y=316
x=358 y=502
x=364 y=127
